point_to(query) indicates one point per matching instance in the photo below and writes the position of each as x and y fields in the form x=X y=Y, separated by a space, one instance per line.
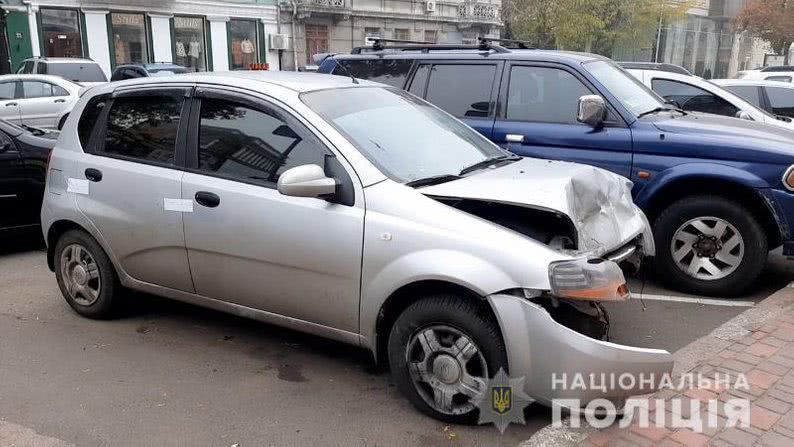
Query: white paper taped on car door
x=179 y=205
x=77 y=186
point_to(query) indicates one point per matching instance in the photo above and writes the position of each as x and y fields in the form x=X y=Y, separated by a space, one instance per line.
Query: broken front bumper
x=559 y=363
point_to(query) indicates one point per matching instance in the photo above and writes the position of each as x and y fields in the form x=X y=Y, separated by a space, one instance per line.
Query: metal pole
x=294 y=36
x=659 y=33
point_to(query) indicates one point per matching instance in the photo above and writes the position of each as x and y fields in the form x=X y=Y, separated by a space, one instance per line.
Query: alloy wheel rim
x=707 y=248
x=447 y=369
x=80 y=274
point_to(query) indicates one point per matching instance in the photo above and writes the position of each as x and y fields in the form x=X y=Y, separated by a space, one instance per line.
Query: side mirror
x=741 y=114
x=592 y=110
x=306 y=181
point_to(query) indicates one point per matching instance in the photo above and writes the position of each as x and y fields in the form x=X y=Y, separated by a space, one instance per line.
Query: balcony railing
x=333 y=4
x=478 y=11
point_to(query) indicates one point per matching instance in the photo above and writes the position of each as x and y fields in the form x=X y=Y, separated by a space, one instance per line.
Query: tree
x=771 y=20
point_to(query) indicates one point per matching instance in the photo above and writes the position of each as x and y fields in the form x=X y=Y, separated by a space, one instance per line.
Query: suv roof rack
x=486 y=44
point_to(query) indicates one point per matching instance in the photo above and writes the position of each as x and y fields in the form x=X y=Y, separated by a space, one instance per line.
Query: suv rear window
x=77 y=71
x=462 y=90
x=392 y=72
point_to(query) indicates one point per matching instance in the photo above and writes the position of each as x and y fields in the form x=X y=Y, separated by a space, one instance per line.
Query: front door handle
x=60 y=100
x=208 y=199
x=95 y=175
x=11 y=104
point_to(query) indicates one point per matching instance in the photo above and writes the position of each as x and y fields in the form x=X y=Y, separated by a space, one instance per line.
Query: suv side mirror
x=306 y=181
x=741 y=114
x=592 y=110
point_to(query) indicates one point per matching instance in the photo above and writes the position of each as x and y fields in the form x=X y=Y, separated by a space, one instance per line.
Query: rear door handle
x=60 y=100
x=208 y=199
x=94 y=175
x=11 y=104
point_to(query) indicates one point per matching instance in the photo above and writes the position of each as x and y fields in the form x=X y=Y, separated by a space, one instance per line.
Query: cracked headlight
x=591 y=280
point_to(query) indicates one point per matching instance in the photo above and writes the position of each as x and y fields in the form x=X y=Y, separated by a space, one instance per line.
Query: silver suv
x=352 y=211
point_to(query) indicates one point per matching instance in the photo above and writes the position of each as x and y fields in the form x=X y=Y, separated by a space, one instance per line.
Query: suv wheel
x=709 y=245
x=85 y=275
x=442 y=350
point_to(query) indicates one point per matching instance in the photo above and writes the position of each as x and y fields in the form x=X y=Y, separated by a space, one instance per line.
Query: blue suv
x=718 y=190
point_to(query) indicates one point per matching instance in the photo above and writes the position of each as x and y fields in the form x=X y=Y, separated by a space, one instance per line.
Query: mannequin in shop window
x=194 y=52
x=181 y=54
x=247 y=48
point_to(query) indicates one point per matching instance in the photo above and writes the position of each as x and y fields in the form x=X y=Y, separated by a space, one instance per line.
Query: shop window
x=129 y=38
x=243 y=45
x=60 y=30
x=189 y=44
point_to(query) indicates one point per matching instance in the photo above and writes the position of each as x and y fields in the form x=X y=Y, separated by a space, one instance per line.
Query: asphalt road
x=173 y=374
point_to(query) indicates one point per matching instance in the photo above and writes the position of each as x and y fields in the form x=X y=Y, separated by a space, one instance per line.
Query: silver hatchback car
x=353 y=211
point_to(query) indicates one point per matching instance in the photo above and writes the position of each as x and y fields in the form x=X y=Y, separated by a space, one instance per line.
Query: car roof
x=296 y=81
x=475 y=54
x=753 y=82
x=36 y=77
x=151 y=65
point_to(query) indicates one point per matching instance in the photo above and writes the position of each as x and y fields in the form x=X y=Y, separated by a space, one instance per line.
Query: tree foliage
x=591 y=25
x=771 y=20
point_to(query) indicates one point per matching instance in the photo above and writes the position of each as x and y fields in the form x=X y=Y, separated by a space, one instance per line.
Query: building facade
x=202 y=35
x=337 y=26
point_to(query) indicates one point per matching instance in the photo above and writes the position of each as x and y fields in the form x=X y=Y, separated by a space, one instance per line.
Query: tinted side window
x=89 y=118
x=28 y=67
x=462 y=90
x=41 y=68
x=542 y=94
x=392 y=72
x=781 y=100
x=7 y=90
x=144 y=127
x=689 y=97
x=241 y=142
x=419 y=81
x=749 y=93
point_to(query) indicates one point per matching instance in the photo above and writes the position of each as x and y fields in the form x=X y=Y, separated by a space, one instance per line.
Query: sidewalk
x=759 y=344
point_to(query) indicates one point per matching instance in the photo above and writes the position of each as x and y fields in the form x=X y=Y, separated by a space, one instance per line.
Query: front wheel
x=709 y=245
x=442 y=351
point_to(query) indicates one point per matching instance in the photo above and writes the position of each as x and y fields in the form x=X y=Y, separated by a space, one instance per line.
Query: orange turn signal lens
x=788 y=178
x=590 y=280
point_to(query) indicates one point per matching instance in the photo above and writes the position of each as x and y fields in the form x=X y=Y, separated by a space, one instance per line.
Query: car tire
x=86 y=276
x=62 y=121
x=717 y=263
x=448 y=317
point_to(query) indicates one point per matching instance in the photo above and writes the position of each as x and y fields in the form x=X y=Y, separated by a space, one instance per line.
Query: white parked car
x=695 y=94
x=37 y=100
x=775 y=97
x=783 y=73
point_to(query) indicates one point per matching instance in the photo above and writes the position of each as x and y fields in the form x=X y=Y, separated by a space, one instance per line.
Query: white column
x=34 y=30
x=220 y=43
x=272 y=55
x=161 y=37
x=96 y=31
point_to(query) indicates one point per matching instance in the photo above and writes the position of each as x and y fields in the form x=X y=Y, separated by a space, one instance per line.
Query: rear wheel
x=442 y=351
x=709 y=245
x=86 y=276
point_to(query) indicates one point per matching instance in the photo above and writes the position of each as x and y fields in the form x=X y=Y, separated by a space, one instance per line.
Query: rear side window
x=41 y=68
x=37 y=89
x=692 y=98
x=144 y=127
x=77 y=71
x=749 y=93
x=544 y=95
x=7 y=90
x=419 y=82
x=89 y=117
x=462 y=90
x=781 y=100
x=27 y=68
x=392 y=72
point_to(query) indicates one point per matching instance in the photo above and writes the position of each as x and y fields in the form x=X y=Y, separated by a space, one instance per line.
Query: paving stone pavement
x=760 y=346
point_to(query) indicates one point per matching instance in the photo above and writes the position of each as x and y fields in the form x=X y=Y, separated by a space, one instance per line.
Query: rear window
x=387 y=71
x=76 y=71
x=89 y=118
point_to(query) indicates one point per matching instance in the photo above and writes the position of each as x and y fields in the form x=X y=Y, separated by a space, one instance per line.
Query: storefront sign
x=188 y=22
x=127 y=19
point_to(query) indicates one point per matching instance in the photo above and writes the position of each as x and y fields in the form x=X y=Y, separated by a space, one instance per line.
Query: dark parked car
x=718 y=190
x=132 y=71
x=23 y=171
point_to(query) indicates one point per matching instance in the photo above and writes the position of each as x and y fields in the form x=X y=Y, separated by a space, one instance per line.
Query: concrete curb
x=685 y=358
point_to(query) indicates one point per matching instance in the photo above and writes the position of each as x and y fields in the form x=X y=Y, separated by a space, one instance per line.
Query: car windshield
x=405 y=137
x=76 y=71
x=626 y=88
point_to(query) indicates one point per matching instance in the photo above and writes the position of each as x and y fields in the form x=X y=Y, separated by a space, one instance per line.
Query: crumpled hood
x=597 y=201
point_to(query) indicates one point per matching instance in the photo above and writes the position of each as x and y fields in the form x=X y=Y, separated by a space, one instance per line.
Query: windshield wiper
x=434 y=180
x=662 y=109
x=488 y=162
